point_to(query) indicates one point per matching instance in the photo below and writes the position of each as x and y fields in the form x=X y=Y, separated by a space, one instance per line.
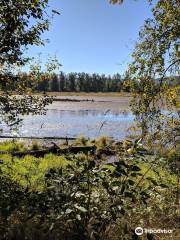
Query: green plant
x=86 y=200
x=156 y=55
x=12 y=146
x=75 y=198
x=35 y=145
x=81 y=141
x=103 y=142
x=30 y=171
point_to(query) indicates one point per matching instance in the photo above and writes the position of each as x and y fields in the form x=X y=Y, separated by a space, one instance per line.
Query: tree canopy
x=21 y=24
x=116 y=1
x=17 y=30
x=155 y=67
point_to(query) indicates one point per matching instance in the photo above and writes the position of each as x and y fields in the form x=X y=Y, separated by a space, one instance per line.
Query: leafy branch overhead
x=152 y=75
x=155 y=66
x=116 y=1
x=21 y=25
x=16 y=30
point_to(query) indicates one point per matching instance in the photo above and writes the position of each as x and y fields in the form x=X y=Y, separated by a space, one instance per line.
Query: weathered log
x=106 y=151
x=36 y=153
x=54 y=149
x=77 y=149
x=33 y=137
x=72 y=100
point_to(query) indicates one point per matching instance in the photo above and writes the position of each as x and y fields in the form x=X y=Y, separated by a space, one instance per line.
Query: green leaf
x=80 y=208
x=78 y=217
x=128 y=194
x=150 y=236
x=131 y=182
x=163 y=185
x=135 y=168
x=68 y=211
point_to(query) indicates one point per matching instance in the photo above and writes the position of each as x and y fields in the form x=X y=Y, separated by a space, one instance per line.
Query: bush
x=81 y=201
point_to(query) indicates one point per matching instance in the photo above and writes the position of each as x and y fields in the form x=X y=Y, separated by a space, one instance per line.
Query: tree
x=62 y=81
x=156 y=57
x=16 y=33
x=72 y=82
x=15 y=30
x=55 y=83
x=154 y=68
x=116 y=1
x=43 y=86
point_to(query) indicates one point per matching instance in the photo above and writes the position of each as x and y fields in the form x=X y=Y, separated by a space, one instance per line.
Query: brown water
x=104 y=116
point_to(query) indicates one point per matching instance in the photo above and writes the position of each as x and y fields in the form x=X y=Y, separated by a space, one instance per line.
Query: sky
x=93 y=35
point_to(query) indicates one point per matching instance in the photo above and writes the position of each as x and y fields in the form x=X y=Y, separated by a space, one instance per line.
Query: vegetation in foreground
x=83 y=196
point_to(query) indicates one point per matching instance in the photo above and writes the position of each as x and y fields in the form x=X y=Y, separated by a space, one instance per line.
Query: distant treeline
x=82 y=82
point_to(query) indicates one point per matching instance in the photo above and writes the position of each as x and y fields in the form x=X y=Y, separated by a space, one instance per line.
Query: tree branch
x=164 y=74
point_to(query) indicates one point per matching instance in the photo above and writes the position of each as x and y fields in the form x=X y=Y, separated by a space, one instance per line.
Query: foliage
x=12 y=146
x=81 y=141
x=82 y=198
x=21 y=25
x=153 y=74
x=16 y=31
x=156 y=56
x=13 y=107
x=30 y=171
x=73 y=197
x=116 y=1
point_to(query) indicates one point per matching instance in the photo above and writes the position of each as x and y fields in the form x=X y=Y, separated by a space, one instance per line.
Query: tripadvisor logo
x=139 y=230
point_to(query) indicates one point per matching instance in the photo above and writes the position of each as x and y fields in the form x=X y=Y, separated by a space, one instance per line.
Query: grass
x=12 y=146
x=159 y=174
x=35 y=145
x=17 y=146
x=30 y=171
x=82 y=141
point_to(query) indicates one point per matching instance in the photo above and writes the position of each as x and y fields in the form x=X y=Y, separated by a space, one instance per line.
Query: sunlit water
x=104 y=116
x=90 y=123
x=110 y=117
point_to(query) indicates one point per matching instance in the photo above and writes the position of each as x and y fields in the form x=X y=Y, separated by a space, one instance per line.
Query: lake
x=103 y=116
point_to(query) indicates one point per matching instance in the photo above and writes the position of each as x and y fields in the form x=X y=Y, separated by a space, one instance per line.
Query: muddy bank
x=101 y=103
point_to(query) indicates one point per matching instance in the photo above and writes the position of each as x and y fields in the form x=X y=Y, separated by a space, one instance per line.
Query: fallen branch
x=55 y=150
x=43 y=138
x=76 y=100
x=72 y=100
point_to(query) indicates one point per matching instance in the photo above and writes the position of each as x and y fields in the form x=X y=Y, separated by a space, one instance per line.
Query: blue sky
x=93 y=35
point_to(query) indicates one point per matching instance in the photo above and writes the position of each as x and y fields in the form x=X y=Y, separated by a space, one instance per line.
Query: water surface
x=104 y=116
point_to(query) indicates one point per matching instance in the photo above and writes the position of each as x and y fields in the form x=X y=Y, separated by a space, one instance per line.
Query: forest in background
x=81 y=82
x=85 y=82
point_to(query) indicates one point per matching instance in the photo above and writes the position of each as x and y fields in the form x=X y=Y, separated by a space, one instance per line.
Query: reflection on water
x=79 y=122
x=108 y=116
x=73 y=123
